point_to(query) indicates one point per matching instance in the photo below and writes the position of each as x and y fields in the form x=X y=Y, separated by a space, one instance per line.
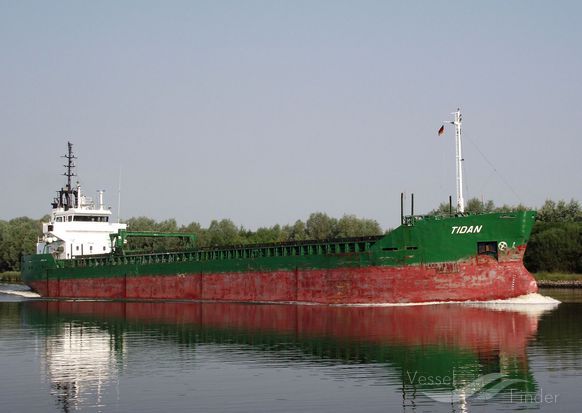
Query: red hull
x=477 y=279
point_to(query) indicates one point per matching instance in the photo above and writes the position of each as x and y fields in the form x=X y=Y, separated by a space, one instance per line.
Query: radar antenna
x=70 y=165
x=68 y=197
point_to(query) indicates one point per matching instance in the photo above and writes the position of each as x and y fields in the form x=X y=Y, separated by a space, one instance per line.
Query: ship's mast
x=70 y=165
x=67 y=196
x=459 y=161
x=459 y=158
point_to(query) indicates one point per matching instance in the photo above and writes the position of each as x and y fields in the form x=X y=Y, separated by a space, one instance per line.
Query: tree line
x=225 y=232
x=555 y=244
x=17 y=237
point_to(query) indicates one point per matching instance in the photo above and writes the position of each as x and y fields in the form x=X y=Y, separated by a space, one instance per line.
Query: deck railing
x=252 y=251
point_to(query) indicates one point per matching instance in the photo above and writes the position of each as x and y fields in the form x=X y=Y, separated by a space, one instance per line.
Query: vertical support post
x=412 y=204
x=450 y=205
x=100 y=195
x=401 y=208
x=459 y=161
x=119 y=197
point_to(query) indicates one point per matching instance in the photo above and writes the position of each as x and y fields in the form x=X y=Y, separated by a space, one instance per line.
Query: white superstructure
x=77 y=226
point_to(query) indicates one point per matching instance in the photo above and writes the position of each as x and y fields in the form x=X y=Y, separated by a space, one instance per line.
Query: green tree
x=264 y=235
x=141 y=224
x=555 y=247
x=168 y=225
x=196 y=228
x=19 y=237
x=295 y=232
x=560 y=211
x=442 y=209
x=223 y=232
x=352 y=226
x=3 y=246
x=476 y=206
x=320 y=226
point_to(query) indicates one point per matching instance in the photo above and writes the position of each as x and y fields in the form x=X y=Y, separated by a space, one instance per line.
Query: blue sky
x=265 y=111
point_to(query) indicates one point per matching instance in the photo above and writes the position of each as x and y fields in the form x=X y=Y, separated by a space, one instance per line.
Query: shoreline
x=10 y=277
x=559 y=283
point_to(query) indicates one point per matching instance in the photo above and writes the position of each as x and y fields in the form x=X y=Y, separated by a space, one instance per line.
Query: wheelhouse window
x=91 y=218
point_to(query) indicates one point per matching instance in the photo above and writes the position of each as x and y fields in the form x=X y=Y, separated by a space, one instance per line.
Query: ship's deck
x=336 y=246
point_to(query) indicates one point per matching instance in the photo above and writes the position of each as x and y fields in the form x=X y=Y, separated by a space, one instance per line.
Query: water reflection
x=80 y=360
x=420 y=349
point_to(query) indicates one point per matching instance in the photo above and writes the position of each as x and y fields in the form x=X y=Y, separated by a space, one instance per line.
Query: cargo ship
x=453 y=257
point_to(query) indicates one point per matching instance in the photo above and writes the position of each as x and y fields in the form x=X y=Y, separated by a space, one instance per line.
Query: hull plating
x=480 y=278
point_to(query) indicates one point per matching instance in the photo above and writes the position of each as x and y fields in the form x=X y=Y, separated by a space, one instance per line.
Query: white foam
x=532 y=304
x=533 y=298
x=522 y=303
x=18 y=290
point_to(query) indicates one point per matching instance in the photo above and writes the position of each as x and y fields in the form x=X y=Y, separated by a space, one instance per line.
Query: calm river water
x=208 y=357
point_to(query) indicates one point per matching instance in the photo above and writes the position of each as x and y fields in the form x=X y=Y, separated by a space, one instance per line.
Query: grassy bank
x=10 y=277
x=556 y=276
x=558 y=280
